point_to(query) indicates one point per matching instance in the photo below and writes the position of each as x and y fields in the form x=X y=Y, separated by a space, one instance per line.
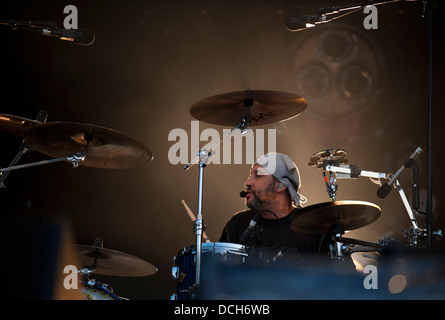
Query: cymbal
x=260 y=107
x=103 y=147
x=113 y=263
x=326 y=217
x=15 y=125
x=317 y=159
x=330 y=154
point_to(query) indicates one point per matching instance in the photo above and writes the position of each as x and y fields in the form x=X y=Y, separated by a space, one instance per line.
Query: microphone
x=249 y=229
x=243 y=194
x=385 y=189
x=82 y=36
x=301 y=22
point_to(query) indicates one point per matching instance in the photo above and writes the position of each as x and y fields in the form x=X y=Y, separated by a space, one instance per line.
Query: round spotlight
x=314 y=81
x=355 y=82
x=336 y=45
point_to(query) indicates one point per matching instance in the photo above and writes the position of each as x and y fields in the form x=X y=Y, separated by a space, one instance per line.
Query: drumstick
x=192 y=216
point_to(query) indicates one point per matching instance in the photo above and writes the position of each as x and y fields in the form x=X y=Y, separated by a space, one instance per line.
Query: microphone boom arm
x=324 y=15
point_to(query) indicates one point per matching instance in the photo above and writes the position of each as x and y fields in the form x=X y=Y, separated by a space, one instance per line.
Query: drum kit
x=242 y=110
x=99 y=147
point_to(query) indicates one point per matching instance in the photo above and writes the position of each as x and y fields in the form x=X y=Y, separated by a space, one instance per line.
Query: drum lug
x=175 y=272
x=91 y=282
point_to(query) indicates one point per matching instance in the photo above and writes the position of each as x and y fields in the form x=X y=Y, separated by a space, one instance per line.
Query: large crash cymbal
x=260 y=107
x=15 y=125
x=113 y=263
x=332 y=217
x=102 y=147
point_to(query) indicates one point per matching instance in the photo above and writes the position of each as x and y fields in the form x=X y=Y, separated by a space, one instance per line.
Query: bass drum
x=184 y=269
x=94 y=290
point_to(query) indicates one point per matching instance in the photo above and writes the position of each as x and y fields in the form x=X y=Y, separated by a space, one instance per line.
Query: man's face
x=260 y=188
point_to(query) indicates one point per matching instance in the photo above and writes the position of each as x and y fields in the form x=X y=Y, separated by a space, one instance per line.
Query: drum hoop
x=213 y=247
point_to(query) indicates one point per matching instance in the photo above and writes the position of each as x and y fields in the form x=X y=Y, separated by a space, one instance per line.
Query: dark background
x=152 y=60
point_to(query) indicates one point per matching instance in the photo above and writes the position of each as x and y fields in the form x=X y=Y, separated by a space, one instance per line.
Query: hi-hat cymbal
x=102 y=147
x=15 y=125
x=113 y=263
x=328 y=217
x=260 y=107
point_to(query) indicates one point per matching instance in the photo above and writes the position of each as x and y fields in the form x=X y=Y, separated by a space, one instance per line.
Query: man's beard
x=264 y=203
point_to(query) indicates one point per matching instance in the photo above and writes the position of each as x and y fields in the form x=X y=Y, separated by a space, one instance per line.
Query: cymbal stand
x=42 y=116
x=331 y=186
x=202 y=159
x=23 y=149
x=74 y=159
x=344 y=246
x=336 y=247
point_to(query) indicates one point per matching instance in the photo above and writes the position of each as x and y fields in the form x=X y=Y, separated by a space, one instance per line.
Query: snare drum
x=184 y=269
x=94 y=290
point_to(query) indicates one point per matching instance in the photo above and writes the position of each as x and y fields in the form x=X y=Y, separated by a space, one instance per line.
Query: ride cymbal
x=258 y=107
x=331 y=217
x=102 y=147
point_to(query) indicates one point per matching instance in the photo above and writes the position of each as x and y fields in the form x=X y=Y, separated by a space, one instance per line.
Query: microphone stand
x=428 y=14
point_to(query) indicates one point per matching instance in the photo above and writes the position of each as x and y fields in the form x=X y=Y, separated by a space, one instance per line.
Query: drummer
x=272 y=196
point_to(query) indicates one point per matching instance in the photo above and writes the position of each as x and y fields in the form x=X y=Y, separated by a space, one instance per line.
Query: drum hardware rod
x=336 y=247
x=351 y=249
x=354 y=245
x=74 y=159
x=203 y=158
x=407 y=205
x=351 y=172
x=331 y=186
x=428 y=8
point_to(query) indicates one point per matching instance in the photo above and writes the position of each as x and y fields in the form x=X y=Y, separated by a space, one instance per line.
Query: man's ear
x=281 y=187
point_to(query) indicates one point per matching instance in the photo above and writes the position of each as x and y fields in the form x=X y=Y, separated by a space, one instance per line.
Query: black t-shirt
x=270 y=236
